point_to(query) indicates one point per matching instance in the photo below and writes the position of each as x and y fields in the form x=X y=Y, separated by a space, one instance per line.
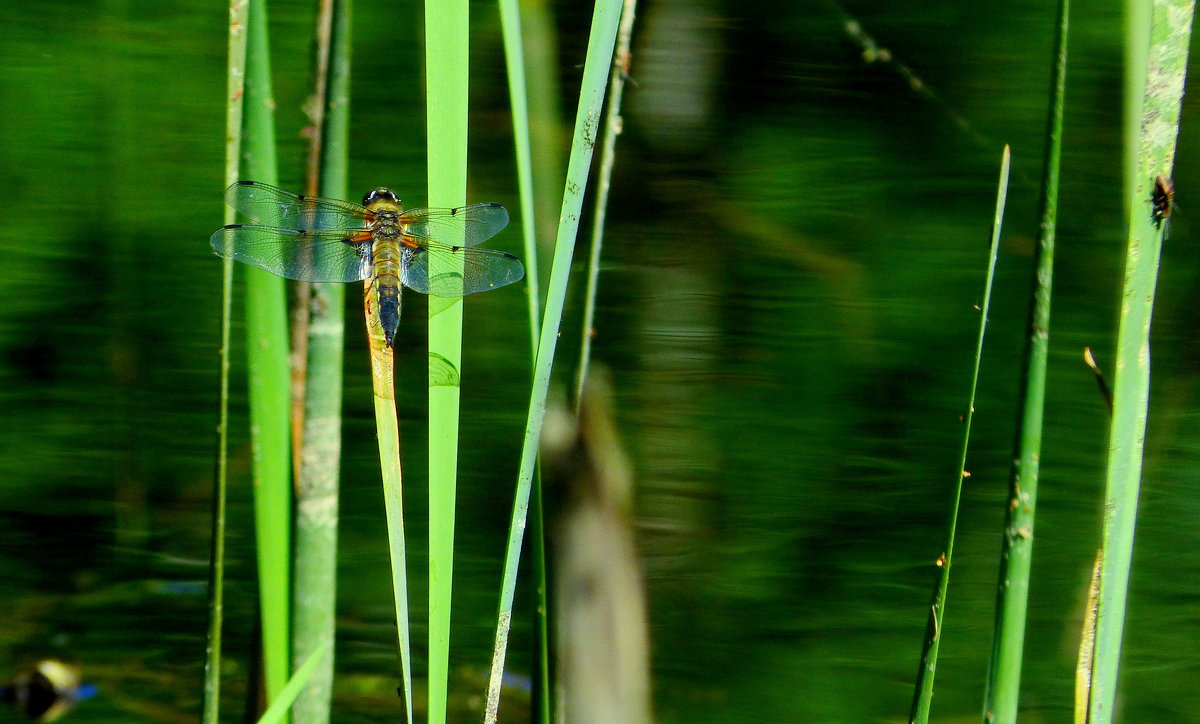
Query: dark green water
x=796 y=241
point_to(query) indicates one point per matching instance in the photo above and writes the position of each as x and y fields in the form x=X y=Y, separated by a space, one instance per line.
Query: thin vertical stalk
x=1154 y=136
x=514 y=60
x=612 y=129
x=587 y=118
x=235 y=85
x=923 y=693
x=387 y=427
x=267 y=355
x=315 y=589
x=1004 y=674
x=447 y=69
x=514 y=57
x=546 y=123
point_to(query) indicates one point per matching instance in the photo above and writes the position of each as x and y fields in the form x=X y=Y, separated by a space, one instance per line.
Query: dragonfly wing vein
x=271 y=206
x=321 y=256
x=466 y=225
x=482 y=269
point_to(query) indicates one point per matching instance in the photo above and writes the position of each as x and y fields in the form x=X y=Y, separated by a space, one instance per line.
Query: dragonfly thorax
x=385 y=230
x=385 y=211
x=387 y=217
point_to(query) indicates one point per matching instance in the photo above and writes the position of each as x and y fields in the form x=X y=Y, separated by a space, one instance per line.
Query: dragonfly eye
x=380 y=194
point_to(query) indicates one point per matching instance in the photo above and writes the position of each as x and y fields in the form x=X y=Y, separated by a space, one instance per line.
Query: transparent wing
x=476 y=223
x=307 y=256
x=270 y=206
x=483 y=269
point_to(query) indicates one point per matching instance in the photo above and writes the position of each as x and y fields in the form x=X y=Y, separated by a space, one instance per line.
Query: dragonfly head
x=380 y=195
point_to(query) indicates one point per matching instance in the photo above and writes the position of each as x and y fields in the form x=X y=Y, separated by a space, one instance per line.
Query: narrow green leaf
x=612 y=129
x=514 y=62
x=1004 y=674
x=387 y=428
x=514 y=56
x=587 y=119
x=923 y=694
x=1153 y=133
x=234 y=94
x=446 y=68
x=269 y=374
x=278 y=709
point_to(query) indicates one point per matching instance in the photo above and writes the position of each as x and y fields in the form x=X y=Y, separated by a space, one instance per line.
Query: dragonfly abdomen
x=386 y=261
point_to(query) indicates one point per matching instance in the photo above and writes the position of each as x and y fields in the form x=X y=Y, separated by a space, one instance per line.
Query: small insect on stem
x=1162 y=199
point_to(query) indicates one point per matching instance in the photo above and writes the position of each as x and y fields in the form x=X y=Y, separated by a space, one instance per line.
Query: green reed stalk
x=923 y=694
x=315 y=590
x=387 y=428
x=1004 y=674
x=514 y=61
x=612 y=129
x=234 y=89
x=267 y=357
x=514 y=57
x=587 y=119
x=447 y=70
x=1153 y=132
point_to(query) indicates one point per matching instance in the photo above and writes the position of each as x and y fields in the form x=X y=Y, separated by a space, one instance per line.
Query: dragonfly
x=315 y=239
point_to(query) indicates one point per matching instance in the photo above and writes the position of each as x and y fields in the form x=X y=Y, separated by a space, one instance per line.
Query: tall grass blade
x=548 y=144
x=447 y=71
x=387 y=428
x=1004 y=674
x=315 y=589
x=278 y=709
x=269 y=378
x=587 y=119
x=923 y=694
x=514 y=62
x=612 y=129
x=1153 y=135
x=514 y=58
x=235 y=84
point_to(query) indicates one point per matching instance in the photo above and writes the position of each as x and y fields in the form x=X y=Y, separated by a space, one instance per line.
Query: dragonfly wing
x=307 y=256
x=272 y=206
x=466 y=225
x=483 y=269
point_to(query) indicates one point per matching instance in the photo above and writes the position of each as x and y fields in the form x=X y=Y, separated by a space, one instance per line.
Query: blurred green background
x=796 y=239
